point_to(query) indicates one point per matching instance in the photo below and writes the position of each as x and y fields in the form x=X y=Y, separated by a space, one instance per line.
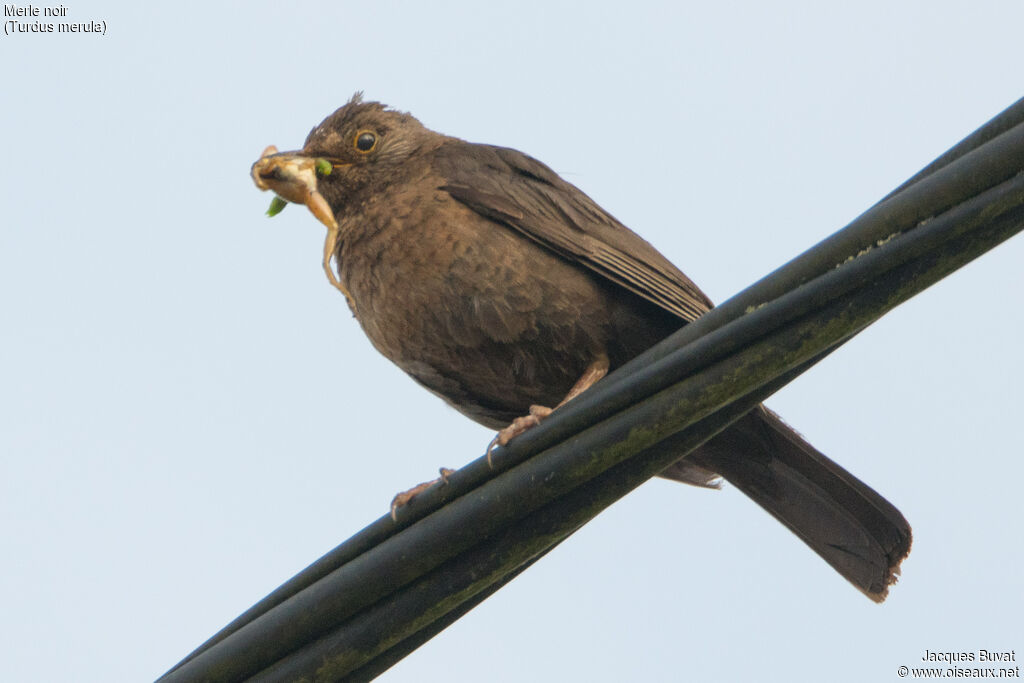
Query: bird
x=506 y=291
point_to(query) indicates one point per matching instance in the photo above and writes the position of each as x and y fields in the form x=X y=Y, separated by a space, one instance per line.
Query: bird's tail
x=859 y=533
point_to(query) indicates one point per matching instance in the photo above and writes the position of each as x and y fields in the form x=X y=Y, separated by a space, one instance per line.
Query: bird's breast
x=468 y=307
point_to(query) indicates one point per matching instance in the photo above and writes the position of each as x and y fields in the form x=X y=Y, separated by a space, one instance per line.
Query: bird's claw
x=402 y=499
x=518 y=426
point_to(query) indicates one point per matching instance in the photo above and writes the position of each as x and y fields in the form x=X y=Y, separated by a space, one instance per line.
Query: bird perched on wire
x=507 y=291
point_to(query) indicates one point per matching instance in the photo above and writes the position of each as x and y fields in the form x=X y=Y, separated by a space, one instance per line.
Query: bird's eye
x=366 y=141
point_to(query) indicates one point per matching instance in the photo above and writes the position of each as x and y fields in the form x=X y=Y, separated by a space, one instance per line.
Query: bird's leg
x=595 y=371
x=404 y=497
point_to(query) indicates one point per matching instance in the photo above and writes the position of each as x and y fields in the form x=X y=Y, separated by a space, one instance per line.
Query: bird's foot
x=403 y=498
x=518 y=426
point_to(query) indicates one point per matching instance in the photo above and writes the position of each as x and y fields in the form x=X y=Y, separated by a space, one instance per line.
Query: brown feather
x=495 y=284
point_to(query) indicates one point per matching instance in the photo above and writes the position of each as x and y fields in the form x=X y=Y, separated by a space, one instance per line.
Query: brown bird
x=507 y=291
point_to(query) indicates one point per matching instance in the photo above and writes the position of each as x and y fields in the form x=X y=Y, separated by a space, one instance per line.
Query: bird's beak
x=293 y=177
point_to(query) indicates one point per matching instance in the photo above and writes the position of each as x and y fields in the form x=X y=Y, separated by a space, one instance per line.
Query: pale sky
x=189 y=415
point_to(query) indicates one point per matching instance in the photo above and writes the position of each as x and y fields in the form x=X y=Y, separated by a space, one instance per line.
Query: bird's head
x=367 y=145
x=355 y=152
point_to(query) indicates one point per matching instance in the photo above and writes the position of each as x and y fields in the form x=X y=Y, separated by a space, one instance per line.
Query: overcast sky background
x=189 y=415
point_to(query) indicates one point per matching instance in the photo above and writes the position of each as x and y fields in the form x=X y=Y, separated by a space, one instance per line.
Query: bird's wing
x=516 y=190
